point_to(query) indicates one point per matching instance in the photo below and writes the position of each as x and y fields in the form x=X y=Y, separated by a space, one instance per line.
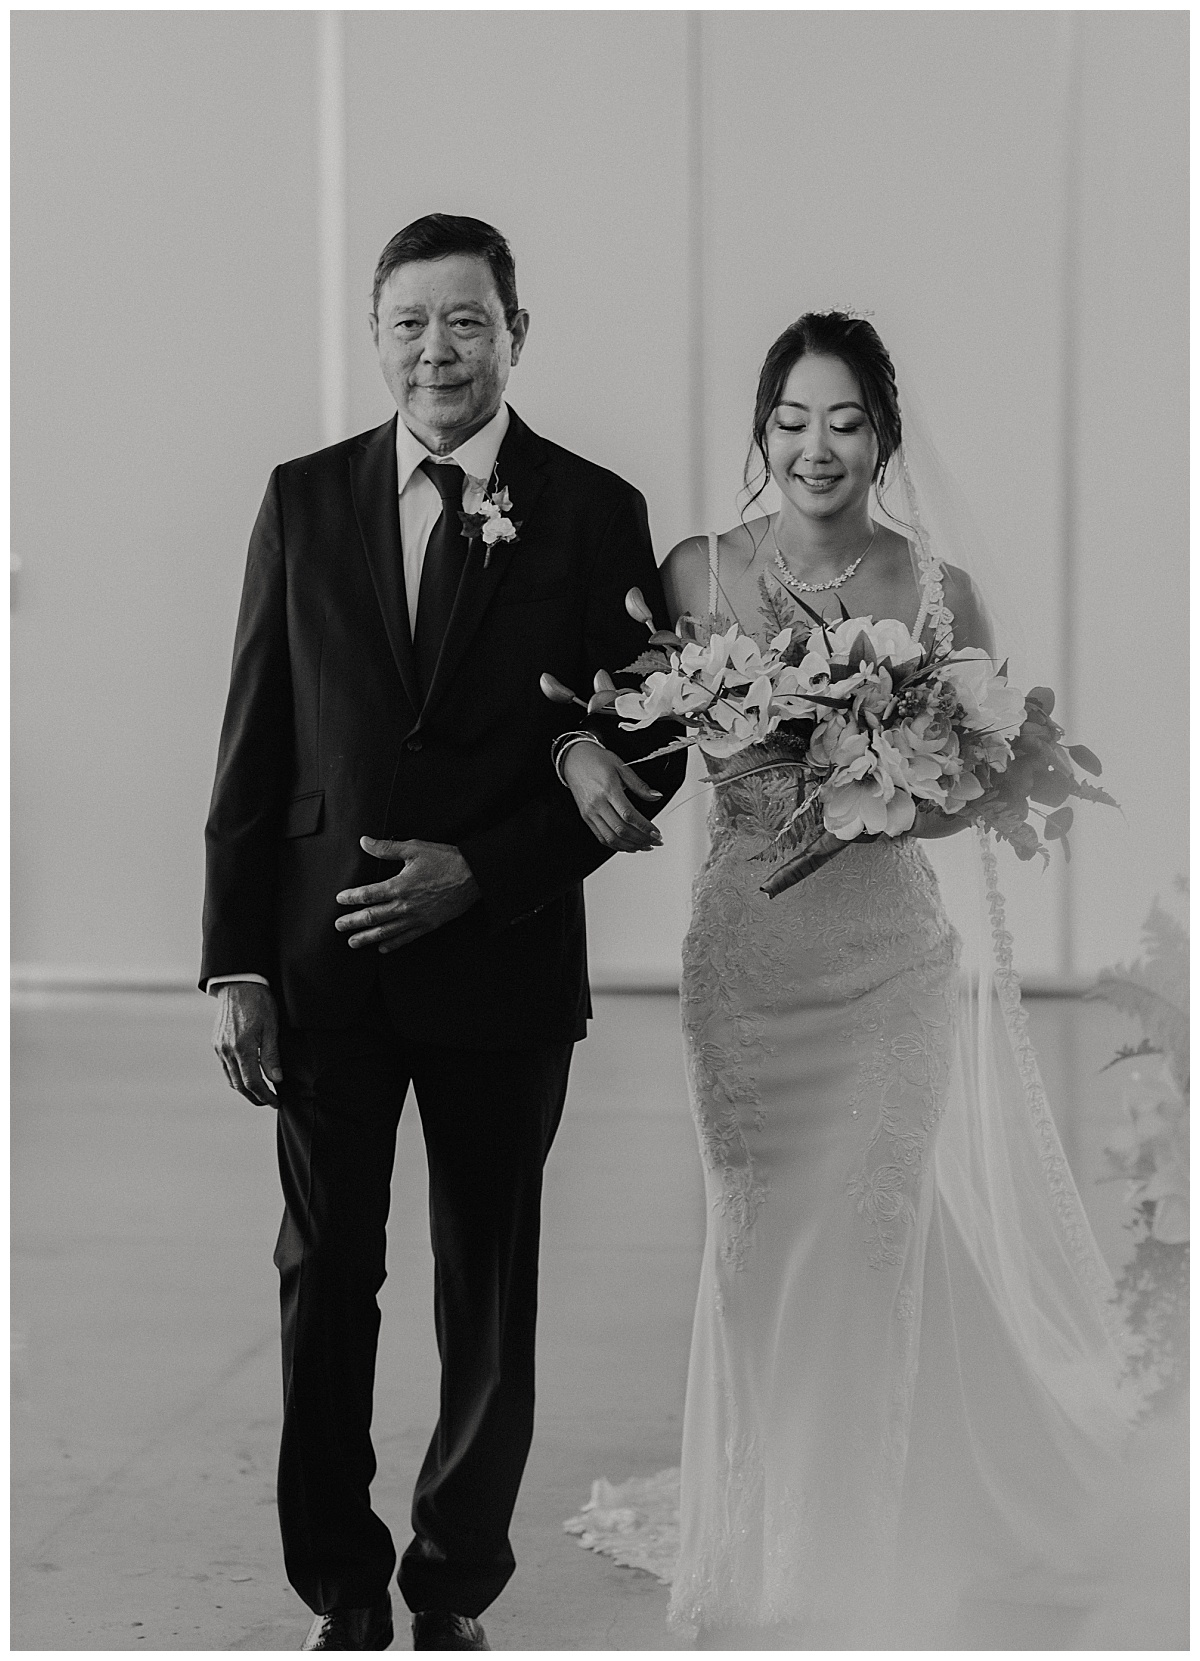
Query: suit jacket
x=326 y=739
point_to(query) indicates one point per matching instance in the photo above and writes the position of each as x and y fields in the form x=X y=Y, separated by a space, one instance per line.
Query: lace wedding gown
x=902 y=1388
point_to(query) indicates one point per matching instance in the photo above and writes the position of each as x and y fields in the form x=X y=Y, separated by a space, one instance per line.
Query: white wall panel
x=163 y=359
x=1131 y=625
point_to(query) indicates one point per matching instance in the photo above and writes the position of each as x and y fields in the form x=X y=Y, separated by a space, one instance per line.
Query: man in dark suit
x=394 y=897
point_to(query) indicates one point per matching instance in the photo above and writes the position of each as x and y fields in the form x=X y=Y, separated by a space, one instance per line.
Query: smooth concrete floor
x=146 y=1391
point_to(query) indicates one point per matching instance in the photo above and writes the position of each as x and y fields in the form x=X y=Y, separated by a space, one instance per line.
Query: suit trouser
x=488 y=1117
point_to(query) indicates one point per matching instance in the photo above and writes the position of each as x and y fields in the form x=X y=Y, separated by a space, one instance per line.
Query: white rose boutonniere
x=485 y=515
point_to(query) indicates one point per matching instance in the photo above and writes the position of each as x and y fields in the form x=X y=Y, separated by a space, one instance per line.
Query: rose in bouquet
x=876 y=724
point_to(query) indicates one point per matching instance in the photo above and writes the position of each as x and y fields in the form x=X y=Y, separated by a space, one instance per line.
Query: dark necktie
x=445 y=556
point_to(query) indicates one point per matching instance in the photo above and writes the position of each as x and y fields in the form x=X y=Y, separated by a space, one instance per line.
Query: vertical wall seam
x=1068 y=526
x=331 y=224
x=695 y=162
x=695 y=253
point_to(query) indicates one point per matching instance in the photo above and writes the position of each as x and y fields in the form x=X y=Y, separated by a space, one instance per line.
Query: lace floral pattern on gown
x=818 y=1029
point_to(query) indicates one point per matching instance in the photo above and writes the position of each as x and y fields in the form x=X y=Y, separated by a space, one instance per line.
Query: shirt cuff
x=222 y=980
x=563 y=743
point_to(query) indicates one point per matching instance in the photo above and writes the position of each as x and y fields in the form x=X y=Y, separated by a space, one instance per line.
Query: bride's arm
x=685 y=578
x=593 y=774
x=931 y=823
x=972 y=627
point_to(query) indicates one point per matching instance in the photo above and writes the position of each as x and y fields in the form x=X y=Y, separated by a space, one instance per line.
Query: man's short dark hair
x=436 y=237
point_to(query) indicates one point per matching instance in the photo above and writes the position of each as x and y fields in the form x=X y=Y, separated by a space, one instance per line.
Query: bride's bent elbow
x=934 y=825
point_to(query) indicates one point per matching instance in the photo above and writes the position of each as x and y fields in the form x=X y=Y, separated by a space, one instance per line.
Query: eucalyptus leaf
x=1052 y=788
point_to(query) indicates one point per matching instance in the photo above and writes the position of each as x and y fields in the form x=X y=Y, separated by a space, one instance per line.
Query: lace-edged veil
x=1000 y=1162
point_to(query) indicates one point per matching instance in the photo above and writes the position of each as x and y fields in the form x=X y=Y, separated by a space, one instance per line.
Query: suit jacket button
x=413 y=744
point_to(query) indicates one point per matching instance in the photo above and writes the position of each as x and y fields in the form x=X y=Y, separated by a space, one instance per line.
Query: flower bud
x=557 y=692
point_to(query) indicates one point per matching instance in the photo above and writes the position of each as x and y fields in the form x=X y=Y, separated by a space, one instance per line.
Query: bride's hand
x=598 y=780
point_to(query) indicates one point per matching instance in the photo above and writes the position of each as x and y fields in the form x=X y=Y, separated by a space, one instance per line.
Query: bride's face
x=822 y=447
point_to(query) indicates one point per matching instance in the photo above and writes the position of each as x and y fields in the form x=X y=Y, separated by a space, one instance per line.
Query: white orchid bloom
x=496 y=528
x=759 y=694
x=663 y=694
x=837 y=742
x=813 y=670
x=888 y=638
x=745 y=660
x=859 y=807
x=872 y=695
x=740 y=732
x=965 y=788
x=707 y=663
x=988 y=701
x=921 y=775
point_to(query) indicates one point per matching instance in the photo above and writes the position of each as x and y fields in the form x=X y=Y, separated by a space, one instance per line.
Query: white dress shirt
x=420 y=510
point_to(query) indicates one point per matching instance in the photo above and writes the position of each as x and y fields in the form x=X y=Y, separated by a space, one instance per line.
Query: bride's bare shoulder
x=685 y=571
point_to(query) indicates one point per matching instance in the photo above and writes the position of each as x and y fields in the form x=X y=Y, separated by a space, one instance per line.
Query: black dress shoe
x=369 y=1628
x=433 y=1630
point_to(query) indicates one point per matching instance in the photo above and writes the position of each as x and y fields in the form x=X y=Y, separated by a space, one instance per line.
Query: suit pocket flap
x=304 y=814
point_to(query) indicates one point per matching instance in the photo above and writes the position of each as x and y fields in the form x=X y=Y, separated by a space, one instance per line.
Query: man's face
x=444 y=347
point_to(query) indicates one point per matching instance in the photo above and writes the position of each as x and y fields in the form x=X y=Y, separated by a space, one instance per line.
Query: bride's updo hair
x=833 y=334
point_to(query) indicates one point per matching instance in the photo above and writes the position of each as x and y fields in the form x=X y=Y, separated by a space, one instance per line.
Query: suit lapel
x=374 y=486
x=521 y=467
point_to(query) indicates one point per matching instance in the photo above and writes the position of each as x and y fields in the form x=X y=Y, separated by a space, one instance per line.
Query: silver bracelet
x=564 y=742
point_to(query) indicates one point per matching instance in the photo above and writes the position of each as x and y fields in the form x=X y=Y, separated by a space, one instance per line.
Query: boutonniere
x=485 y=514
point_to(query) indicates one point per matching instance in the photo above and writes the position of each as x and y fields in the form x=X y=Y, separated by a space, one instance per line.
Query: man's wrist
x=470 y=882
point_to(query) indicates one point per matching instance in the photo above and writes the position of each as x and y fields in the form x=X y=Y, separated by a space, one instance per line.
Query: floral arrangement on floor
x=1152 y=1155
x=876 y=725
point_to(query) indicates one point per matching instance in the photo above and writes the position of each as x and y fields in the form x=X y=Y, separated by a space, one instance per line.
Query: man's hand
x=596 y=778
x=246 y=1038
x=435 y=886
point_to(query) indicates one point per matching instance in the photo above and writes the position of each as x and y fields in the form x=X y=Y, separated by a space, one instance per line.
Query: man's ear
x=519 y=331
x=373 y=322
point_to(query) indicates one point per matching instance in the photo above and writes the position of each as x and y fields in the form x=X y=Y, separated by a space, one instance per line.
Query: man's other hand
x=246 y=1038
x=598 y=780
x=435 y=886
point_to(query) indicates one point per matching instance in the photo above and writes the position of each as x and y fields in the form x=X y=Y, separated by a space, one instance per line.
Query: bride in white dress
x=902 y=1394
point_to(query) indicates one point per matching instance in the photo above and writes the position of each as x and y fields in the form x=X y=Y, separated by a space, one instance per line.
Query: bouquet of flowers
x=877 y=726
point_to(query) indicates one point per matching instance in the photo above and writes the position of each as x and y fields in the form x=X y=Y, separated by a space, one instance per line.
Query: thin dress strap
x=712 y=573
